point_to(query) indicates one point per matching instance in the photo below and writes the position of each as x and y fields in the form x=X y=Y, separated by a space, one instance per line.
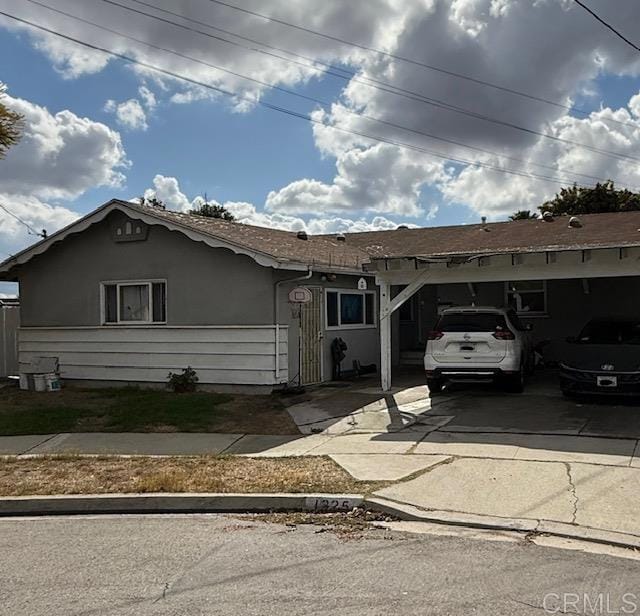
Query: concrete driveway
x=361 y=407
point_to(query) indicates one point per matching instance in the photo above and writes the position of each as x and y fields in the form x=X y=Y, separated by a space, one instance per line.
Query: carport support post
x=387 y=308
x=385 y=335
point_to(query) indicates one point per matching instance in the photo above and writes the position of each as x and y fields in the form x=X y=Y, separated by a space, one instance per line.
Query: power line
x=410 y=95
x=330 y=69
x=608 y=25
x=292 y=113
x=393 y=56
x=313 y=99
x=30 y=229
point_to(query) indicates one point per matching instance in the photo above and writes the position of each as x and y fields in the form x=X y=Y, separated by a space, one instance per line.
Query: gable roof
x=283 y=246
x=285 y=250
x=610 y=230
x=268 y=247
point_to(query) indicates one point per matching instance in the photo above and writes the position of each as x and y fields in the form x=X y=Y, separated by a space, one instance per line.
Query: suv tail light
x=503 y=334
x=435 y=335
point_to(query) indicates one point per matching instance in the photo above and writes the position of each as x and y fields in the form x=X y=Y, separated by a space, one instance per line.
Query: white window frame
x=527 y=313
x=364 y=304
x=130 y=283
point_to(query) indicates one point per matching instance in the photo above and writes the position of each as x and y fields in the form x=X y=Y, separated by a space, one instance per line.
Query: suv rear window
x=471 y=322
x=611 y=332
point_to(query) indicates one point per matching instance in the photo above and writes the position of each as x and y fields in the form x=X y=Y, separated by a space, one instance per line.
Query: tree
x=603 y=197
x=11 y=125
x=213 y=210
x=152 y=202
x=523 y=215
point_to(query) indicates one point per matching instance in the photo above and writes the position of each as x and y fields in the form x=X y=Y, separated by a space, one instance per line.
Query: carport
x=596 y=250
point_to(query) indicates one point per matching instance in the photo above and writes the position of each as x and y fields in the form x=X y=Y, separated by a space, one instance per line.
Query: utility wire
x=290 y=112
x=393 y=56
x=30 y=229
x=608 y=25
x=417 y=97
x=321 y=102
x=312 y=63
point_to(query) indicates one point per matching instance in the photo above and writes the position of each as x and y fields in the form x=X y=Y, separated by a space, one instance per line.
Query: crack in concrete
x=164 y=593
x=574 y=495
x=46 y=440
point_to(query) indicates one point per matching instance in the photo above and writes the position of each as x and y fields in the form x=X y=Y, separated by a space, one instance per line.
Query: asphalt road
x=203 y=565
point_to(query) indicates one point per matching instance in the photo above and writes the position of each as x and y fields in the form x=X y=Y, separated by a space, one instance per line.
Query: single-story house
x=129 y=292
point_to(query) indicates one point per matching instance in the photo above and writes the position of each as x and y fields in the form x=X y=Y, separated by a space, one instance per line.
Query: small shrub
x=181 y=383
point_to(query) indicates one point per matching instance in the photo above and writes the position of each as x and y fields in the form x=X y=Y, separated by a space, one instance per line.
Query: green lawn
x=139 y=410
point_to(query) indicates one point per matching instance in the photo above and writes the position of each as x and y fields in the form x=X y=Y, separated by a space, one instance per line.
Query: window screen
x=332 y=309
x=110 y=303
x=159 y=295
x=351 y=309
x=134 y=302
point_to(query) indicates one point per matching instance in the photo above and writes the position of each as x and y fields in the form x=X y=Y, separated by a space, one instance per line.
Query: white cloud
x=167 y=189
x=71 y=61
x=61 y=155
x=496 y=195
x=129 y=114
x=381 y=178
x=38 y=214
x=132 y=113
x=148 y=97
x=551 y=48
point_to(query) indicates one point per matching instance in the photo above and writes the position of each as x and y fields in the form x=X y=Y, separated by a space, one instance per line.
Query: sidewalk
x=561 y=481
x=535 y=457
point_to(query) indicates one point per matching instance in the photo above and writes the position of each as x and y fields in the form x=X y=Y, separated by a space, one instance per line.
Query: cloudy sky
x=348 y=139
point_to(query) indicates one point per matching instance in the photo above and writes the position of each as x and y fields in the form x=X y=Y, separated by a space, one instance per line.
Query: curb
x=175 y=503
x=165 y=503
x=565 y=530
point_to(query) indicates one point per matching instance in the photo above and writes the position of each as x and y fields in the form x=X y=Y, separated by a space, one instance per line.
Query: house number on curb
x=331 y=504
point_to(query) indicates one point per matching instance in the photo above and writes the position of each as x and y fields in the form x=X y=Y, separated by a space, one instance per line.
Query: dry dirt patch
x=224 y=474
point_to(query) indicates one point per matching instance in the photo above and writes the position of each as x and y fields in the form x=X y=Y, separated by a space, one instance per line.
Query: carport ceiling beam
x=415 y=285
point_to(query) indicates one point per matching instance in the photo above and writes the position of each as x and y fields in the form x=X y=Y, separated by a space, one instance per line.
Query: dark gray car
x=603 y=359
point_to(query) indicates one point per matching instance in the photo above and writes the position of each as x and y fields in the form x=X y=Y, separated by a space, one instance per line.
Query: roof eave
x=147 y=216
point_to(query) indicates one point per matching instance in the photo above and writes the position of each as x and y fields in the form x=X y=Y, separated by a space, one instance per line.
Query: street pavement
x=207 y=565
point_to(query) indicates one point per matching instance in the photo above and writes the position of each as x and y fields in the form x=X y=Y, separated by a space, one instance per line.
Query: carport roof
x=610 y=230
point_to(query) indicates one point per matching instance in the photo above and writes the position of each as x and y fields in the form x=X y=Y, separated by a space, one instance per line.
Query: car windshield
x=471 y=322
x=611 y=332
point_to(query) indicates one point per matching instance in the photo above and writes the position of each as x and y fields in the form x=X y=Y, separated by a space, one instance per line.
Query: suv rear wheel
x=515 y=382
x=434 y=385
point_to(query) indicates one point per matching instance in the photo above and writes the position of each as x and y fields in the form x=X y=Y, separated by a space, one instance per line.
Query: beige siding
x=220 y=355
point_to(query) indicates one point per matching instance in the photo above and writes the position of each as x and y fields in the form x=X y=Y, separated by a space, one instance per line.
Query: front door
x=311 y=339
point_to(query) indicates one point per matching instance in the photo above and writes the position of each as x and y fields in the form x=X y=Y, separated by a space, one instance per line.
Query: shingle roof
x=317 y=250
x=356 y=250
x=597 y=231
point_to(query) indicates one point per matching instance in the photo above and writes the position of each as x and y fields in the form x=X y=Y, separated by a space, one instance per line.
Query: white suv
x=478 y=344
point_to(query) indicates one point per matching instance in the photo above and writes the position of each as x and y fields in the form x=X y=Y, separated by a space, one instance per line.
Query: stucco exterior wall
x=205 y=286
x=362 y=344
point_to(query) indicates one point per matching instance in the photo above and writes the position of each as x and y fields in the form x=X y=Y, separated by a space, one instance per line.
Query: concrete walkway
x=530 y=457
